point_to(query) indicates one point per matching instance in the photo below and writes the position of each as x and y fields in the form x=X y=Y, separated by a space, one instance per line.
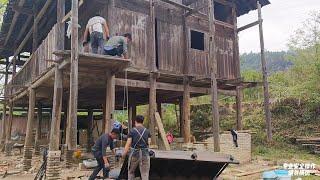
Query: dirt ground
x=13 y=165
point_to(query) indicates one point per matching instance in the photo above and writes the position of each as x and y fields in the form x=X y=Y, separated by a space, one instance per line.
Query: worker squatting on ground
x=97 y=32
x=118 y=45
x=138 y=143
x=99 y=152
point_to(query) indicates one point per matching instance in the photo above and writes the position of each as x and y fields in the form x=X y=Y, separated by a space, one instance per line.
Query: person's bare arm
x=127 y=147
x=106 y=162
x=149 y=141
x=85 y=35
x=125 y=56
x=106 y=29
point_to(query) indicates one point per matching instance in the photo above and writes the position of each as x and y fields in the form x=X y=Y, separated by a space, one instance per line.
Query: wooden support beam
x=181 y=120
x=68 y=15
x=110 y=100
x=152 y=106
x=13 y=22
x=36 y=20
x=22 y=10
x=43 y=10
x=265 y=78
x=236 y=53
x=214 y=86
x=23 y=29
x=194 y=11
x=159 y=109
x=185 y=7
x=56 y=111
x=186 y=111
x=160 y=85
x=162 y=132
x=239 y=107
x=38 y=130
x=90 y=140
x=248 y=26
x=9 y=125
x=28 y=144
x=73 y=99
x=224 y=24
x=4 y=113
x=132 y=111
x=35 y=29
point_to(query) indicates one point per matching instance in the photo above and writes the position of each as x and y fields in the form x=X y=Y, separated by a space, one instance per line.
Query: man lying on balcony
x=98 y=30
x=118 y=46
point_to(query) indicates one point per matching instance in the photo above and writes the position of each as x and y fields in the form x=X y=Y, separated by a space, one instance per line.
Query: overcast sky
x=281 y=18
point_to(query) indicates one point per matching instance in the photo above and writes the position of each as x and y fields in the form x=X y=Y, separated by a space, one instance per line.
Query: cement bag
x=90 y=163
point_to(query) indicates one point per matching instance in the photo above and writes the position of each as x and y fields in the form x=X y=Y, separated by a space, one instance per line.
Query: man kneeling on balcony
x=98 y=30
x=118 y=46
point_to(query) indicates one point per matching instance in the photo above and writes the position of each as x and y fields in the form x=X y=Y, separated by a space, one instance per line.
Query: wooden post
x=54 y=154
x=236 y=43
x=110 y=100
x=28 y=145
x=8 y=130
x=214 y=86
x=159 y=109
x=132 y=112
x=152 y=107
x=181 y=120
x=152 y=67
x=239 y=107
x=186 y=110
x=89 y=130
x=73 y=99
x=38 y=130
x=4 y=114
x=265 y=77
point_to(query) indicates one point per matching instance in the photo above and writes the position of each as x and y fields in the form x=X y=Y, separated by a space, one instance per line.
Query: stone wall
x=242 y=153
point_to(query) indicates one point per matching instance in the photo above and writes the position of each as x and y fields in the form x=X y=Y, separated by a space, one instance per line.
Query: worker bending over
x=98 y=32
x=118 y=45
x=138 y=144
x=99 y=152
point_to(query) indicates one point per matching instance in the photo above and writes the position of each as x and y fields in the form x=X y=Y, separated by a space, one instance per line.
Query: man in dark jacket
x=99 y=152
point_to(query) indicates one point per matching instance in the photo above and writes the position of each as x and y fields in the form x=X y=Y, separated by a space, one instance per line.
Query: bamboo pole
x=265 y=77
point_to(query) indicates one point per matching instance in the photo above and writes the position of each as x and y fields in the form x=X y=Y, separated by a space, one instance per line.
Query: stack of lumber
x=312 y=143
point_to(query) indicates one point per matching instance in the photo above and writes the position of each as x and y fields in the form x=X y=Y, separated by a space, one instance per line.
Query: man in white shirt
x=98 y=30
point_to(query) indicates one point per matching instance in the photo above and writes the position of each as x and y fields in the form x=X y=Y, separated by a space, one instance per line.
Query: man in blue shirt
x=99 y=152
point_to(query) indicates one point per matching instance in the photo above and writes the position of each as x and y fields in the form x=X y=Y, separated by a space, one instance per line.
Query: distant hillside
x=276 y=61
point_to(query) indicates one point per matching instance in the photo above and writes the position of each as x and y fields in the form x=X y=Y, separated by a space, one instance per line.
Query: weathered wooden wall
x=226 y=65
x=38 y=63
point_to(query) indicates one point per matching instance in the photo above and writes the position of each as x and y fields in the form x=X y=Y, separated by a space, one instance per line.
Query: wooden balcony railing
x=38 y=63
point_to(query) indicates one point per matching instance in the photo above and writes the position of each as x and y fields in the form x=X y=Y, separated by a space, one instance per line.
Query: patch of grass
x=289 y=154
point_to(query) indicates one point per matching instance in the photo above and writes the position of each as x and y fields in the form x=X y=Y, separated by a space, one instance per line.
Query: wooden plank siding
x=123 y=21
x=38 y=63
x=226 y=65
x=170 y=47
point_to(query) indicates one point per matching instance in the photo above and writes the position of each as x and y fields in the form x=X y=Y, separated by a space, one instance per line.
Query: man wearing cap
x=99 y=152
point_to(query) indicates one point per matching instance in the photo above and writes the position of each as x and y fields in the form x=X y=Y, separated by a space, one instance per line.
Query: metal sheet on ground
x=180 y=165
